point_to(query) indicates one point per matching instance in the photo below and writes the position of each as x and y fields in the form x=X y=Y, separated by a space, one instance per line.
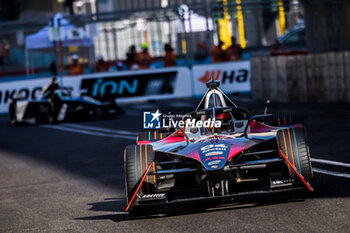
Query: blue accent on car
x=214 y=154
x=136 y=169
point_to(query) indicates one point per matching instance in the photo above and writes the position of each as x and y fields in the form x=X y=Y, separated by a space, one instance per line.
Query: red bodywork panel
x=237 y=144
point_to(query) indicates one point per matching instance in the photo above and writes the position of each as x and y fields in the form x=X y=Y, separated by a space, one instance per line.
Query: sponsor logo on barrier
x=26 y=93
x=23 y=93
x=100 y=87
x=233 y=76
x=130 y=85
x=227 y=76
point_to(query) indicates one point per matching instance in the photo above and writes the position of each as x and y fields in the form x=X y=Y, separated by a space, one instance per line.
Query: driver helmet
x=75 y=57
x=225 y=119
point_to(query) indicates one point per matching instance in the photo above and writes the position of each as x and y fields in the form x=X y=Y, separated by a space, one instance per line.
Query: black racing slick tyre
x=292 y=143
x=137 y=159
x=154 y=135
x=287 y=120
x=12 y=113
x=51 y=115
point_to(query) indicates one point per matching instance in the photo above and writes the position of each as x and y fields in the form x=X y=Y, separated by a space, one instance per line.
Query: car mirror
x=260 y=118
x=263 y=118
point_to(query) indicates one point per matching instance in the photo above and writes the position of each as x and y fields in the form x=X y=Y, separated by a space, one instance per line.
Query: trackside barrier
x=140 y=85
x=128 y=86
x=233 y=76
x=322 y=78
x=29 y=89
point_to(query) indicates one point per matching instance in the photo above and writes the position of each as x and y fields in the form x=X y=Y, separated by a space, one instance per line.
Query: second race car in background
x=56 y=104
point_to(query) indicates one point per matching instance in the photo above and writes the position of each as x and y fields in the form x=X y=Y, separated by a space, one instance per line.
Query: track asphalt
x=69 y=177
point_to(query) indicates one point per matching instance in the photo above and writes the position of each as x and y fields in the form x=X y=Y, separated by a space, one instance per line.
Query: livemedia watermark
x=157 y=120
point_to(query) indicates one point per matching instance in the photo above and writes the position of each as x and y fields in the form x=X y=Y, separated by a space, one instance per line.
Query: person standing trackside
x=75 y=68
x=49 y=90
x=101 y=65
x=143 y=59
x=218 y=53
x=130 y=56
x=234 y=52
x=53 y=68
x=169 y=58
x=5 y=51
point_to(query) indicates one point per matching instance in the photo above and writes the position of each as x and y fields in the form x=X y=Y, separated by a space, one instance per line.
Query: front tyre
x=137 y=159
x=51 y=114
x=292 y=143
x=12 y=113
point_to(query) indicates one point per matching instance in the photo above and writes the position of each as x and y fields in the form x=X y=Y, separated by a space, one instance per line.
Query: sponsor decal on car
x=213 y=147
x=154 y=196
x=207 y=159
x=214 y=162
x=279 y=182
x=214 y=156
x=214 y=153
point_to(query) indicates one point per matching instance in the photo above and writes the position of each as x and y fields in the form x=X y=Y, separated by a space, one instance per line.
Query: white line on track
x=99 y=129
x=331 y=173
x=87 y=132
x=330 y=162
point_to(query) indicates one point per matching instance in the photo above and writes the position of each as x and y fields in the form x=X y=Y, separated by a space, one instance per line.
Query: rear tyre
x=137 y=159
x=287 y=120
x=154 y=134
x=12 y=114
x=51 y=116
x=292 y=143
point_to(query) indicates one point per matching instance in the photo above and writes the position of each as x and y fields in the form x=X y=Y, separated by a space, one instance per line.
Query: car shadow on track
x=117 y=205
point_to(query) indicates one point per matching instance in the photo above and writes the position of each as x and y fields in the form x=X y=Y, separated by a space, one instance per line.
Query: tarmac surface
x=69 y=177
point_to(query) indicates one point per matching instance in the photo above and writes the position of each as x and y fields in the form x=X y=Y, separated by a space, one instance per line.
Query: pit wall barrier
x=314 y=78
x=140 y=85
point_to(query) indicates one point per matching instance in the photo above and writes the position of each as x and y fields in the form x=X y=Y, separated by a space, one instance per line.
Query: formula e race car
x=238 y=156
x=56 y=104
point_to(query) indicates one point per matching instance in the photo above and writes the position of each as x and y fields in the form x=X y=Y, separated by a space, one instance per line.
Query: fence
x=254 y=23
x=321 y=78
